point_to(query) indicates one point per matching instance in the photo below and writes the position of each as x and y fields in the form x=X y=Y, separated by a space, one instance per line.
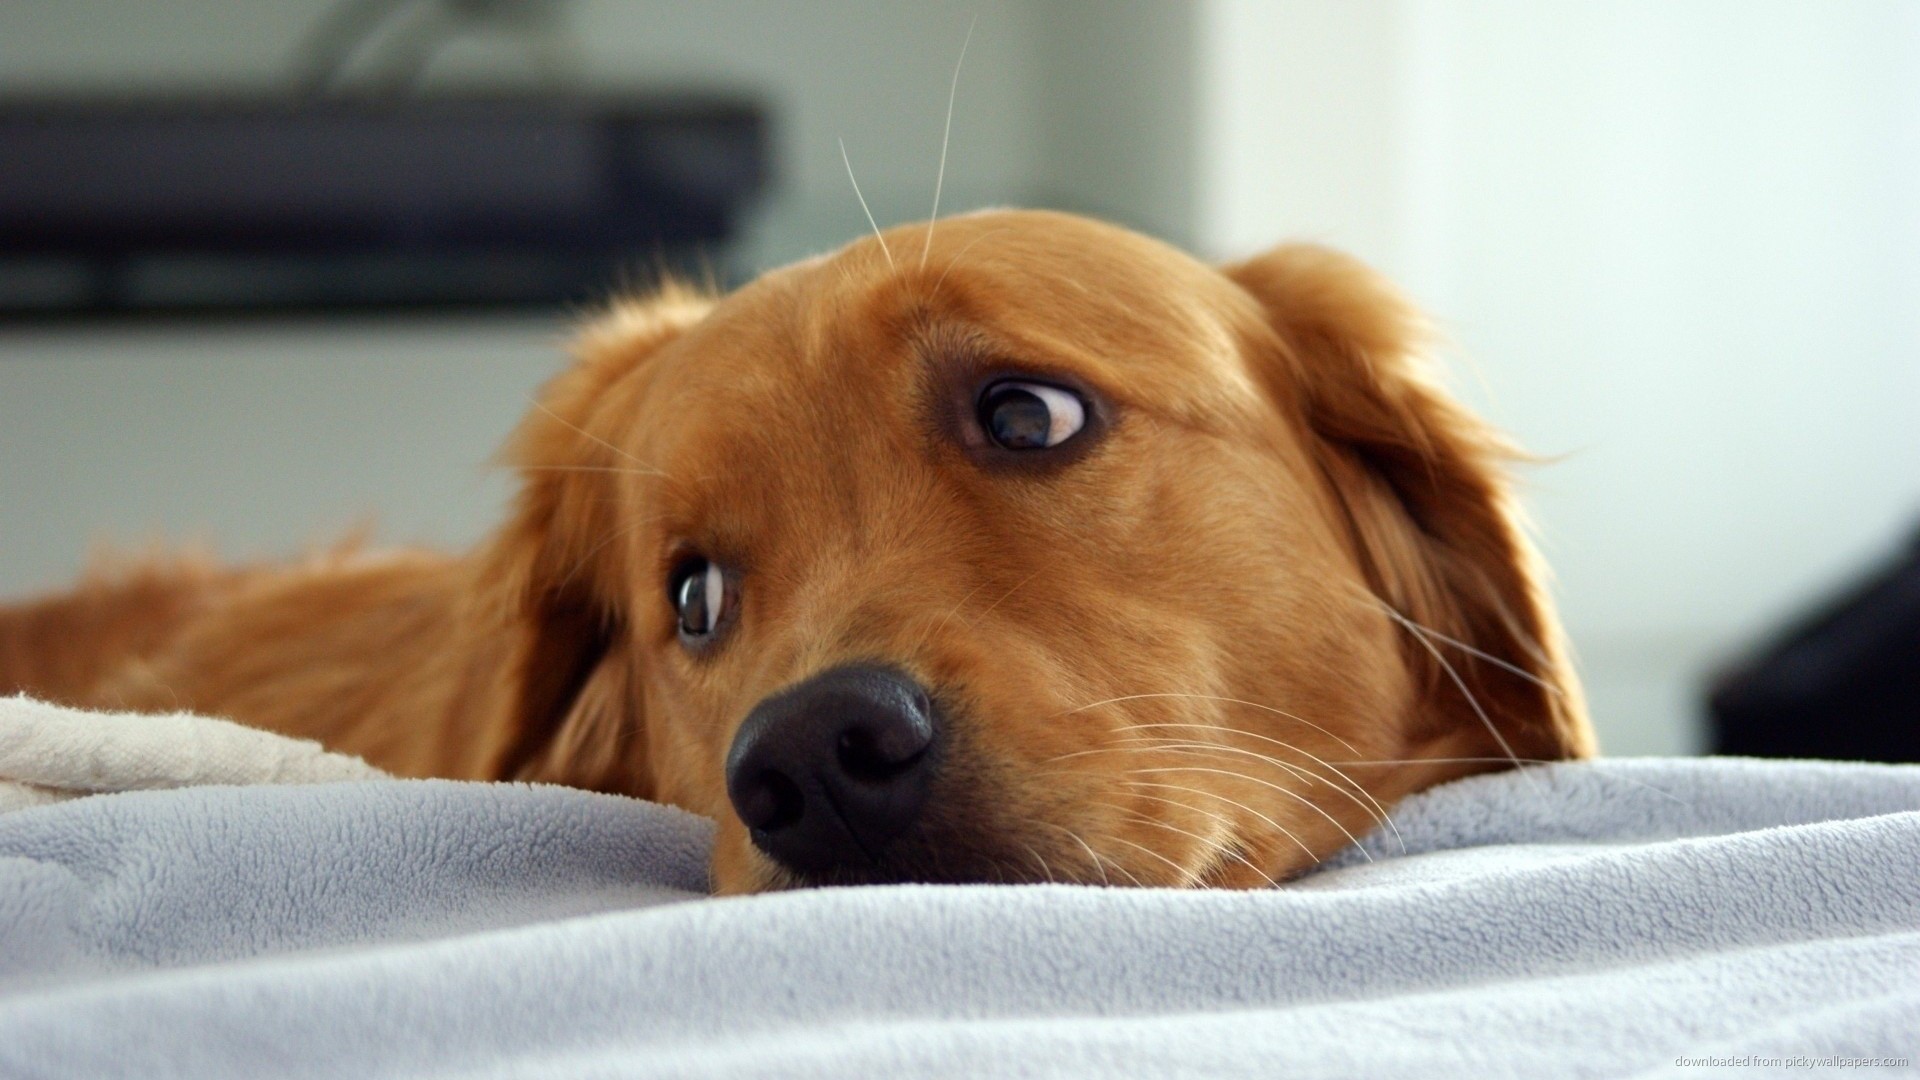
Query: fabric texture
x=1594 y=919
x=49 y=753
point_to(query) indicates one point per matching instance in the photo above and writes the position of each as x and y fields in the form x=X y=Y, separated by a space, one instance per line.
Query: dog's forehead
x=842 y=360
x=1037 y=289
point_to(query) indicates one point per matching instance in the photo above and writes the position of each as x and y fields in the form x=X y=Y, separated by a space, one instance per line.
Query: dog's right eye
x=699 y=591
x=1031 y=416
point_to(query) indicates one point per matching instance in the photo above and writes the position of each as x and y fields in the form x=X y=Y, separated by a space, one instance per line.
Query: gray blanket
x=1583 y=920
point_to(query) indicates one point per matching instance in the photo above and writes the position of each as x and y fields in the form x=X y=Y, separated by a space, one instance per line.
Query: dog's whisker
x=1137 y=744
x=1098 y=863
x=1521 y=635
x=884 y=250
x=1140 y=743
x=1017 y=586
x=1188 y=878
x=618 y=534
x=1379 y=811
x=1179 y=746
x=1232 y=802
x=538 y=404
x=946 y=138
x=1379 y=818
x=1212 y=850
x=1228 y=849
x=1466 y=692
x=955 y=261
x=1221 y=818
x=934 y=625
x=1216 y=697
x=1108 y=860
x=1288 y=792
x=1421 y=629
x=1044 y=868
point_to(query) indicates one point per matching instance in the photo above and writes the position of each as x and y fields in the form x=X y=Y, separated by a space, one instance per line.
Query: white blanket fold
x=49 y=753
x=1598 y=919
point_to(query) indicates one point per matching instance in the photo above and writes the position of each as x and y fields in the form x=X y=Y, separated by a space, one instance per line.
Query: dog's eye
x=699 y=593
x=1030 y=416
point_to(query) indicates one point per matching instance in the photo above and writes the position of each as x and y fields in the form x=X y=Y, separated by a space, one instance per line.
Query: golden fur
x=1283 y=588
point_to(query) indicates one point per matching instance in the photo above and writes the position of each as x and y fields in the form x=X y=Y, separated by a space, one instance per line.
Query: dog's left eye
x=699 y=593
x=1030 y=416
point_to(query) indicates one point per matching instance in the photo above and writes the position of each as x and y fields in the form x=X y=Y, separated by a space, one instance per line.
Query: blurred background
x=1676 y=249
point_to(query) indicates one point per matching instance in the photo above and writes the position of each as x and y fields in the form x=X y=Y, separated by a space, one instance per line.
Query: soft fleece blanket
x=49 y=753
x=1604 y=919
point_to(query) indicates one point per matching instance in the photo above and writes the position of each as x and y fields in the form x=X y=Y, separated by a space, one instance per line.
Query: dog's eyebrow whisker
x=1379 y=811
x=618 y=534
x=884 y=250
x=1288 y=792
x=538 y=404
x=955 y=261
x=946 y=138
x=1215 y=697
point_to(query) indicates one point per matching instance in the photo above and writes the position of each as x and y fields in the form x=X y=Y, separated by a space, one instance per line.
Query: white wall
x=1678 y=246
x=1118 y=101
x=255 y=438
x=1299 y=127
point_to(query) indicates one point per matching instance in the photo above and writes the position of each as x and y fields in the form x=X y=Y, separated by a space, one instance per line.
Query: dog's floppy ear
x=548 y=578
x=1423 y=487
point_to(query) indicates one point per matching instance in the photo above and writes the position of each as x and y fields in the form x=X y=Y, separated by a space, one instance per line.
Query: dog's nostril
x=864 y=757
x=772 y=801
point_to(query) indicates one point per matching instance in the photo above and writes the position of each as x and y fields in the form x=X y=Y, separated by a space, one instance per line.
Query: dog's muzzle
x=827 y=773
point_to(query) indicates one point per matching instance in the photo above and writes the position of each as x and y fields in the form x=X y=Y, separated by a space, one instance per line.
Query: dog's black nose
x=825 y=773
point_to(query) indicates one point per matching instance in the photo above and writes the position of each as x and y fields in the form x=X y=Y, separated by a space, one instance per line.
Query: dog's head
x=1052 y=554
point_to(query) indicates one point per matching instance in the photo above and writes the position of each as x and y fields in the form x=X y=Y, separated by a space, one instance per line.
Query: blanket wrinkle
x=1595 y=919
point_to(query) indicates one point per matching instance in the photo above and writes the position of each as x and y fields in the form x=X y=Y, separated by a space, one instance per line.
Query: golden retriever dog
x=1013 y=548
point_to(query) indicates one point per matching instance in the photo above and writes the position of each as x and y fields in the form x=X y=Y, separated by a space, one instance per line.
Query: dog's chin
x=947 y=848
x=780 y=877
x=923 y=856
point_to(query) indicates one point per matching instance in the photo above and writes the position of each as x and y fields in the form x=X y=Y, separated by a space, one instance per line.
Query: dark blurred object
x=1843 y=683
x=232 y=203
